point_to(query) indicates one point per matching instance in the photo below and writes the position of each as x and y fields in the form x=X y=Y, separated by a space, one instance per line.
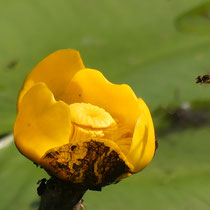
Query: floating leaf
x=196 y=21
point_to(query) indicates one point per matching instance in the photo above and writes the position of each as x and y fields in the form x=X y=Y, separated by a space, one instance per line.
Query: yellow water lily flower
x=80 y=127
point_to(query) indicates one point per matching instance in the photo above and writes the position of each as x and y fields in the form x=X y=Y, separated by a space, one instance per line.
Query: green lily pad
x=196 y=21
x=142 y=43
x=19 y=178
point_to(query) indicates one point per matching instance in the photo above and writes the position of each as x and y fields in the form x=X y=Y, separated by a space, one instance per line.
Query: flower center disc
x=91 y=116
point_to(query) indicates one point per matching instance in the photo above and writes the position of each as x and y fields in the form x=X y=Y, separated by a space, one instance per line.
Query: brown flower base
x=60 y=195
x=92 y=164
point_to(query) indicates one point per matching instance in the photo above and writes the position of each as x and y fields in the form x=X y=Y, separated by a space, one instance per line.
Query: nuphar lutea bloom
x=80 y=127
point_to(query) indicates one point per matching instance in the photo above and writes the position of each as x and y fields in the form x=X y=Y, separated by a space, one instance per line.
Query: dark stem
x=60 y=195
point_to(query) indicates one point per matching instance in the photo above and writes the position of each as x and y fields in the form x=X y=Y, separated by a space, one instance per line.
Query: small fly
x=205 y=79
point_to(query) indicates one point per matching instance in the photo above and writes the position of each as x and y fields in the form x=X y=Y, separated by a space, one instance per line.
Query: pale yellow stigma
x=91 y=116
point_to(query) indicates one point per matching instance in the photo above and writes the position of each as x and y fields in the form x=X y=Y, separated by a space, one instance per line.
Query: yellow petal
x=56 y=71
x=42 y=123
x=85 y=133
x=143 y=143
x=90 y=86
x=124 y=144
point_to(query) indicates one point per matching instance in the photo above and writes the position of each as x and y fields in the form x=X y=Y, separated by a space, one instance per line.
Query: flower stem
x=60 y=195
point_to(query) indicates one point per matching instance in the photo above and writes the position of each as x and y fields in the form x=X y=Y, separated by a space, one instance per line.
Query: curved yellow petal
x=42 y=123
x=143 y=143
x=90 y=86
x=56 y=71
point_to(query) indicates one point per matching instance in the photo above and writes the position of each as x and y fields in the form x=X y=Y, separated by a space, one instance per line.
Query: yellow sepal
x=142 y=148
x=90 y=86
x=42 y=123
x=56 y=71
